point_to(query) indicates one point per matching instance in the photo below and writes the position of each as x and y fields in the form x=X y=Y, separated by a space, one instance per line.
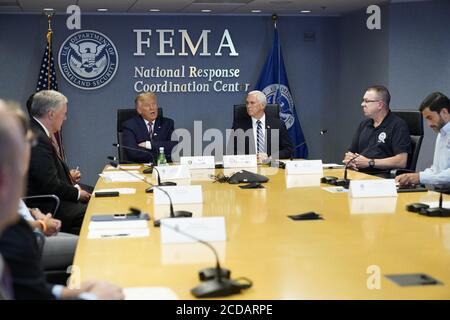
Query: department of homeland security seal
x=88 y=59
x=284 y=100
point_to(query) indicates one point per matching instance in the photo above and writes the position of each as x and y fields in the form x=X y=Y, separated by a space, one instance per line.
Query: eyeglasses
x=368 y=101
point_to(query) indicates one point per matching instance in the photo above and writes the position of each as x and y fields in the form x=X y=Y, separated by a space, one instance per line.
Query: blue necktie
x=259 y=137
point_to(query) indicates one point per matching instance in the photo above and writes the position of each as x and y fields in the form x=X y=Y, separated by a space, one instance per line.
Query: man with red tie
x=147 y=131
x=48 y=173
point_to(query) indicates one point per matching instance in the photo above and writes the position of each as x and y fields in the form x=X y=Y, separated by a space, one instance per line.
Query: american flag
x=47 y=80
x=47 y=75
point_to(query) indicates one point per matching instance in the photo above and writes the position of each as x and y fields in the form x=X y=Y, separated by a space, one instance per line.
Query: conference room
x=193 y=211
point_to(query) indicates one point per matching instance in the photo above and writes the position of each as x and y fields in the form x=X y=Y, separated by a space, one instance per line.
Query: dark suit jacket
x=19 y=249
x=285 y=145
x=47 y=173
x=135 y=131
x=50 y=175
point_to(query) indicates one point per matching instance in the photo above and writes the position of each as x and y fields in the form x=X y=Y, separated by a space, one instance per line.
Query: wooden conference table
x=285 y=259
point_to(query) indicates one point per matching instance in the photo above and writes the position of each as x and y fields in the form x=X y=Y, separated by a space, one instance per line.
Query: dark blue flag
x=274 y=83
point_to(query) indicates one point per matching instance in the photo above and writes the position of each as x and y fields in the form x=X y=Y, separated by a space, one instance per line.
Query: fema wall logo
x=88 y=59
x=284 y=100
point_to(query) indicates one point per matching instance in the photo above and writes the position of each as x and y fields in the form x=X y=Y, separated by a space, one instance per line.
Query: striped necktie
x=259 y=137
x=150 y=130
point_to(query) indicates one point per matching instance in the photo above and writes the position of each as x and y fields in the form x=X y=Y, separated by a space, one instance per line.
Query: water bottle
x=161 y=161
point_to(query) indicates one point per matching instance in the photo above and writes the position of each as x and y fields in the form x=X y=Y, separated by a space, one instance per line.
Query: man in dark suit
x=48 y=173
x=147 y=131
x=266 y=136
x=22 y=265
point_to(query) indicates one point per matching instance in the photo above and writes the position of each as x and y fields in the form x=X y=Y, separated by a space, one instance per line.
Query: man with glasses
x=436 y=110
x=381 y=142
x=147 y=132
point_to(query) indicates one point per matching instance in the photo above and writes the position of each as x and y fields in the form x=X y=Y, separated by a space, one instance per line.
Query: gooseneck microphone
x=425 y=209
x=217 y=282
x=149 y=170
x=173 y=214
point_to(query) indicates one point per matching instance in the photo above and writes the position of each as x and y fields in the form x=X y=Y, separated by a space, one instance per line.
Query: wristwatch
x=371 y=163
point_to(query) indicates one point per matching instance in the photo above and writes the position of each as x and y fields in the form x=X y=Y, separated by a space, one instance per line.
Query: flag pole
x=274 y=20
x=49 y=14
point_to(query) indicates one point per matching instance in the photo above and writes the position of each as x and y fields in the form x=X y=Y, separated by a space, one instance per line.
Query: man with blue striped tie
x=268 y=137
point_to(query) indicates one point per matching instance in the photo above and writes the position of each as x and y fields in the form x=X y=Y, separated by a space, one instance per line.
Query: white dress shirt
x=439 y=172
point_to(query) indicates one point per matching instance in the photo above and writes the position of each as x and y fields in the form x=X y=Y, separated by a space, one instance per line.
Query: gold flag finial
x=274 y=19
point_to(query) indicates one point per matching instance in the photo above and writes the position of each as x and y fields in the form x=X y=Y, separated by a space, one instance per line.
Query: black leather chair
x=122 y=116
x=240 y=111
x=414 y=120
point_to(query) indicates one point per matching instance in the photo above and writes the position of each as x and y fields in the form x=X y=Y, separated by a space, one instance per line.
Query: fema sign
x=88 y=59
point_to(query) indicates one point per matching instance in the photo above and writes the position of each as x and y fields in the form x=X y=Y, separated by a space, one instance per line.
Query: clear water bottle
x=161 y=161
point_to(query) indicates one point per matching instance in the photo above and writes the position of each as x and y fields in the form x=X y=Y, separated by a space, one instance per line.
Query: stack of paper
x=118 y=229
x=149 y=293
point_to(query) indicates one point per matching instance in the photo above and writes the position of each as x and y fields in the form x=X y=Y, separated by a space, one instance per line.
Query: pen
x=77 y=168
x=115 y=235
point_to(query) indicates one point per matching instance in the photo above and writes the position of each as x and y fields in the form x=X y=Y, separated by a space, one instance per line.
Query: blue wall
x=410 y=54
x=90 y=127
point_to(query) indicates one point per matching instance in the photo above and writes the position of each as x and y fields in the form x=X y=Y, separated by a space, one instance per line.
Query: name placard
x=304 y=167
x=372 y=188
x=172 y=172
x=179 y=194
x=206 y=229
x=240 y=161
x=203 y=162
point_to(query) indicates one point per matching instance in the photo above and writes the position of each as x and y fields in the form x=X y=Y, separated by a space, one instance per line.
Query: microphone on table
x=340 y=182
x=149 y=170
x=425 y=209
x=217 y=282
x=173 y=214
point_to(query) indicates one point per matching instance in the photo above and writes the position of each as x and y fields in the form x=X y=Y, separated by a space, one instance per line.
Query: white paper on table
x=120 y=176
x=149 y=293
x=435 y=204
x=123 y=167
x=117 y=233
x=118 y=225
x=120 y=190
x=335 y=189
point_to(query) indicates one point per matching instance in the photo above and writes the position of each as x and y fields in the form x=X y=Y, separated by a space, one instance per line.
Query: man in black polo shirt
x=381 y=142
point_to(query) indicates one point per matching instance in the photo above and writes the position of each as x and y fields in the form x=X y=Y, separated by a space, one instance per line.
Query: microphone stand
x=340 y=182
x=173 y=214
x=218 y=282
x=425 y=210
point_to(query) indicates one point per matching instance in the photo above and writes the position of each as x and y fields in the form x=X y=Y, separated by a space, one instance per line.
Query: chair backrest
x=240 y=111
x=122 y=116
x=414 y=120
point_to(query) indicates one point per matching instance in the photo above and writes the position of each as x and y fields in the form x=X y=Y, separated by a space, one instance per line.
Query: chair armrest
x=46 y=196
x=396 y=172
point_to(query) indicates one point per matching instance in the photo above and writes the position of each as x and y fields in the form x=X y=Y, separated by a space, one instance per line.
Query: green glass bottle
x=161 y=161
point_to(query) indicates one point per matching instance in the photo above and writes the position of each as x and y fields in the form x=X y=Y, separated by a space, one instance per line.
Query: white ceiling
x=332 y=7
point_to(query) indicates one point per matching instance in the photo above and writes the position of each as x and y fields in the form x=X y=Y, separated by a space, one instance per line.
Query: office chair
x=29 y=201
x=122 y=116
x=414 y=120
x=240 y=111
